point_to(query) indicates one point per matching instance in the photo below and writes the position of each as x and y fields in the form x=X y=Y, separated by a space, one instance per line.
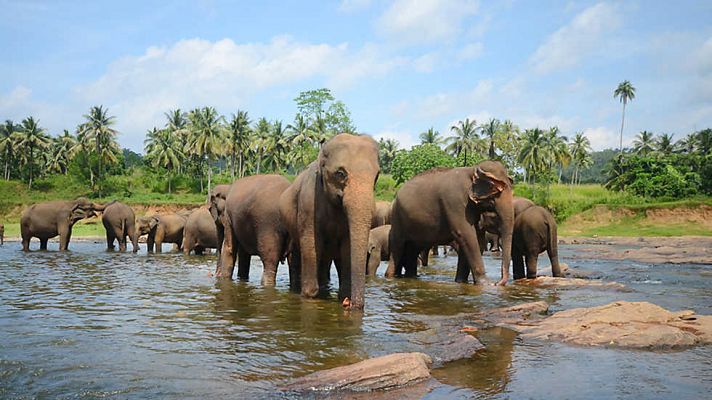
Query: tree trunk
x=32 y=159
x=232 y=165
x=622 y=122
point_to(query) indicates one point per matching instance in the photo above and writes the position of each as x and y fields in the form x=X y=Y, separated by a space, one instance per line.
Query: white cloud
x=470 y=52
x=425 y=21
x=426 y=62
x=444 y=104
x=405 y=139
x=603 y=138
x=578 y=39
x=354 y=5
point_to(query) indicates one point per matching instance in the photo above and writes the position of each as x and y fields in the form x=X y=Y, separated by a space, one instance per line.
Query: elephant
x=488 y=225
x=377 y=248
x=253 y=226
x=200 y=232
x=166 y=228
x=119 y=221
x=2 y=234
x=381 y=214
x=52 y=218
x=328 y=211
x=216 y=206
x=491 y=242
x=442 y=205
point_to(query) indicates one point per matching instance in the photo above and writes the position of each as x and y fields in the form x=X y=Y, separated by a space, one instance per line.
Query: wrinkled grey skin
x=200 y=232
x=328 y=211
x=119 y=221
x=381 y=214
x=166 y=228
x=377 y=248
x=216 y=206
x=442 y=205
x=52 y=218
x=534 y=233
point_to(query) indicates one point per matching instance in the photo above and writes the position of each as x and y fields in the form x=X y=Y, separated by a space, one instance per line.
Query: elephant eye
x=340 y=174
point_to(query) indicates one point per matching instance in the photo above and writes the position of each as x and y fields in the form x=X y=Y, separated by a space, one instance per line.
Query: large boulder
x=382 y=373
x=636 y=325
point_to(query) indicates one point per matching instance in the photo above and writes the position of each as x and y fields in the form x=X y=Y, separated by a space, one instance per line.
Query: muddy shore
x=654 y=250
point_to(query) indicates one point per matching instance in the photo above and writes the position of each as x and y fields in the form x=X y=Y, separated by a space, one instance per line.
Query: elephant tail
x=123 y=228
x=553 y=248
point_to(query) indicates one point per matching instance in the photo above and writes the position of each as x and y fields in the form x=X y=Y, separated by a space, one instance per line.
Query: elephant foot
x=501 y=282
x=346 y=303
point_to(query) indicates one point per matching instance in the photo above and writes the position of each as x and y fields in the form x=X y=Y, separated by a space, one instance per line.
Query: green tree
x=206 y=137
x=62 y=151
x=431 y=136
x=177 y=127
x=489 y=130
x=625 y=92
x=644 y=143
x=238 y=135
x=558 y=150
x=278 y=148
x=32 y=140
x=580 y=150
x=533 y=154
x=464 y=140
x=262 y=140
x=664 y=144
x=8 y=144
x=320 y=104
x=387 y=150
x=303 y=140
x=507 y=141
x=97 y=128
x=164 y=150
x=421 y=158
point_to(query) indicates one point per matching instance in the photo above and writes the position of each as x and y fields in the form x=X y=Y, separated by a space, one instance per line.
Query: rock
x=381 y=373
x=456 y=348
x=548 y=281
x=516 y=316
x=635 y=325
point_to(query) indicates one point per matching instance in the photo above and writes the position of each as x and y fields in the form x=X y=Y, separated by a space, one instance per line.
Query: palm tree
x=431 y=136
x=278 y=155
x=507 y=141
x=62 y=152
x=644 y=143
x=97 y=128
x=664 y=144
x=164 y=151
x=207 y=135
x=580 y=150
x=557 y=149
x=261 y=143
x=687 y=145
x=387 y=150
x=465 y=138
x=533 y=155
x=490 y=130
x=238 y=136
x=31 y=137
x=8 y=141
x=625 y=92
x=303 y=138
x=177 y=126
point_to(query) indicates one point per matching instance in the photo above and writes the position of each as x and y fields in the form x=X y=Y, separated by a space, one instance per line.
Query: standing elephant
x=488 y=225
x=491 y=242
x=442 y=205
x=377 y=248
x=47 y=220
x=200 y=232
x=119 y=221
x=166 y=228
x=381 y=214
x=328 y=211
x=253 y=226
x=534 y=233
x=216 y=206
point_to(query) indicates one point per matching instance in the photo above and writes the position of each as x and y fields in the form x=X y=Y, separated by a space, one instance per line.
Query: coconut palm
x=431 y=136
x=164 y=150
x=97 y=128
x=625 y=92
x=489 y=130
x=557 y=149
x=303 y=139
x=464 y=140
x=238 y=140
x=580 y=150
x=62 y=151
x=206 y=136
x=507 y=141
x=687 y=145
x=664 y=144
x=278 y=147
x=261 y=141
x=644 y=143
x=8 y=141
x=177 y=127
x=387 y=150
x=32 y=139
x=533 y=154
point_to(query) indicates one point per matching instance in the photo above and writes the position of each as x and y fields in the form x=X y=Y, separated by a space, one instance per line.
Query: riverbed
x=94 y=324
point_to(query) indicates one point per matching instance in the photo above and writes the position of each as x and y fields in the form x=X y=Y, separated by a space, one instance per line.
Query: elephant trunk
x=358 y=203
x=505 y=211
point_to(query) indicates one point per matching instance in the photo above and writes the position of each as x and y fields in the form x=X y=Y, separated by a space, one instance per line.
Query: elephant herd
x=328 y=215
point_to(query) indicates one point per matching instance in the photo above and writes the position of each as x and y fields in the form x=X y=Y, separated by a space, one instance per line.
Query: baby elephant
x=377 y=248
x=534 y=232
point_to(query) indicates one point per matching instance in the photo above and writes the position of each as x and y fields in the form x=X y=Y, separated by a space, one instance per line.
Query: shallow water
x=92 y=324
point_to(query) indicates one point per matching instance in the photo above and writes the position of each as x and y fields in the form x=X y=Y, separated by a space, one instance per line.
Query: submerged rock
x=548 y=281
x=380 y=373
x=636 y=325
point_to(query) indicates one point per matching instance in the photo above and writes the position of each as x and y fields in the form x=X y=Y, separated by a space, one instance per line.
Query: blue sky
x=400 y=66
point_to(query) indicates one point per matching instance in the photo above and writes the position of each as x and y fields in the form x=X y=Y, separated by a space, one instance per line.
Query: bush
x=409 y=163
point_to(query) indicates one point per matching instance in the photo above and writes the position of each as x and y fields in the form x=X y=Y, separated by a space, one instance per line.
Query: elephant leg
x=150 y=243
x=518 y=262
x=424 y=256
x=64 y=239
x=25 y=244
x=343 y=268
x=43 y=243
x=158 y=240
x=410 y=261
x=463 y=270
x=109 y=240
x=268 y=247
x=243 y=263
x=199 y=250
x=122 y=241
x=531 y=260
x=295 y=269
x=468 y=246
x=481 y=240
x=395 y=260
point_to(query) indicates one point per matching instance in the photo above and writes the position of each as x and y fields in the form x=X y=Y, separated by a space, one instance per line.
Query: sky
x=400 y=66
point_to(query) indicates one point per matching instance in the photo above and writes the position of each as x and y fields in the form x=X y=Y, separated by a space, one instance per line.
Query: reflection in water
x=88 y=323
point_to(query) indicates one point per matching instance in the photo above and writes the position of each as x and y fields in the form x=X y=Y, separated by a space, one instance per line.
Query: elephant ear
x=486 y=185
x=153 y=222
